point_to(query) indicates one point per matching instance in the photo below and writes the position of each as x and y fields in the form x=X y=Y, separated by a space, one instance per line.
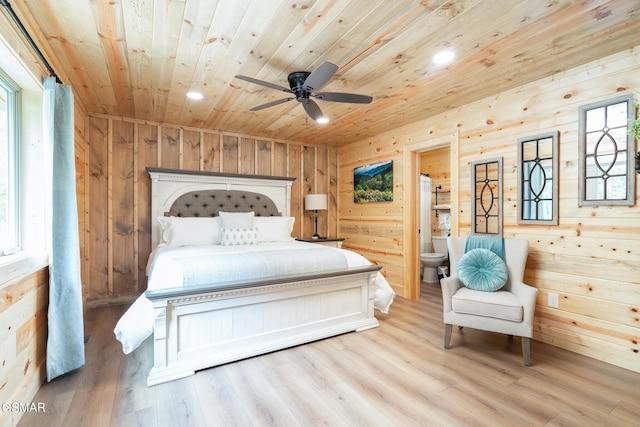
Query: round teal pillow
x=482 y=270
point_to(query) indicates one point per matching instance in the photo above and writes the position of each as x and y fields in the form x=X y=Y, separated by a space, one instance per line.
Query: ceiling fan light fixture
x=302 y=85
x=444 y=57
x=195 y=95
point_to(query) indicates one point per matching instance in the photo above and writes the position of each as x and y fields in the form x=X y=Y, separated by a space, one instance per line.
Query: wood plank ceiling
x=138 y=58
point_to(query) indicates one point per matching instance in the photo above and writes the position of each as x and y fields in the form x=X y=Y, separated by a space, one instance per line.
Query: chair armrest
x=527 y=294
x=449 y=287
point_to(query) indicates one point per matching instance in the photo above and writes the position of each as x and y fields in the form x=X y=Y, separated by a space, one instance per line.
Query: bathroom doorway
x=435 y=213
x=411 y=204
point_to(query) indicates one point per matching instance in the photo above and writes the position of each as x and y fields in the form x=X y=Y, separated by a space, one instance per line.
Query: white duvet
x=163 y=272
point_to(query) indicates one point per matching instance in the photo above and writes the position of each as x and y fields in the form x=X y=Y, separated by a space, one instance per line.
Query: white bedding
x=165 y=272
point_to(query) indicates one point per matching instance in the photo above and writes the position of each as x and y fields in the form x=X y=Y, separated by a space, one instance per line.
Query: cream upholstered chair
x=508 y=310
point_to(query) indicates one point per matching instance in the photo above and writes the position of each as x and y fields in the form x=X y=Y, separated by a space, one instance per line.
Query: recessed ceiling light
x=443 y=57
x=323 y=120
x=195 y=95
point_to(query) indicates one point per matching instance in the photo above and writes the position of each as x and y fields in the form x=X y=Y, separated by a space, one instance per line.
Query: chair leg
x=526 y=351
x=447 y=335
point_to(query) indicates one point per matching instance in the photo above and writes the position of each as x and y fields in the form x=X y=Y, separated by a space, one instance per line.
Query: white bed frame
x=197 y=327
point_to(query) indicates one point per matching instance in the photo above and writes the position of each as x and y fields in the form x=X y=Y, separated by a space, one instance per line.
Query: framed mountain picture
x=373 y=183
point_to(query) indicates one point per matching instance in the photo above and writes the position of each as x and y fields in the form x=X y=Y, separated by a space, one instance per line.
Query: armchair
x=508 y=310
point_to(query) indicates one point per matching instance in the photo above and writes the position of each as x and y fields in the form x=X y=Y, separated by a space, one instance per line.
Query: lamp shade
x=315 y=202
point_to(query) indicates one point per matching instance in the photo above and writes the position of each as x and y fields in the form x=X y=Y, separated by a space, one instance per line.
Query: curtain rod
x=26 y=35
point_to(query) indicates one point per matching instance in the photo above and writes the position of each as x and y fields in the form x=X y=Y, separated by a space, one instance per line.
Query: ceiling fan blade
x=263 y=83
x=320 y=76
x=344 y=97
x=312 y=109
x=271 y=104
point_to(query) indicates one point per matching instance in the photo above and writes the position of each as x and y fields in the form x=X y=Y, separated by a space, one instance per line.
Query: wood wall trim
x=411 y=208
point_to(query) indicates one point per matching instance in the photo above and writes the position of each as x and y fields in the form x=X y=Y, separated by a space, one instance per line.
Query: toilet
x=430 y=261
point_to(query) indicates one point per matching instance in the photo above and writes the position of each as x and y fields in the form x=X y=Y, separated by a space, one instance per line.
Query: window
x=606 y=153
x=538 y=179
x=9 y=194
x=486 y=196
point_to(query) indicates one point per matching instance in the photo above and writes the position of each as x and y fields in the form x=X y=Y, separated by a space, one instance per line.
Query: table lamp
x=315 y=202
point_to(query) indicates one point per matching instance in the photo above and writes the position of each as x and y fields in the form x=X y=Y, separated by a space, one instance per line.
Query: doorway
x=412 y=159
x=434 y=195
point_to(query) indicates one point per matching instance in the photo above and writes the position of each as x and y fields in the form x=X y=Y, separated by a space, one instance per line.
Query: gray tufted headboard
x=207 y=203
x=198 y=193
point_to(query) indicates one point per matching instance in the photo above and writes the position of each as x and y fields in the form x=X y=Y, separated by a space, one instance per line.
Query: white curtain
x=65 y=342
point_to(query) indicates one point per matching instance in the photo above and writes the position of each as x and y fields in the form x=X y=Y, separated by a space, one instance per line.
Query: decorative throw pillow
x=236 y=219
x=186 y=231
x=274 y=228
x=239 y=236
x=482 y=270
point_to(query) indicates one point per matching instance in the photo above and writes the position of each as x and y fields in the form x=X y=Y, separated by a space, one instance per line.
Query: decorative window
x=538 y=179
x=486 y=190
x=606 y=153
x=9 y=114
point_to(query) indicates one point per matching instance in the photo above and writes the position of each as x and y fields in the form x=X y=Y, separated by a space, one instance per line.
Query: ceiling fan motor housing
x=296 y=83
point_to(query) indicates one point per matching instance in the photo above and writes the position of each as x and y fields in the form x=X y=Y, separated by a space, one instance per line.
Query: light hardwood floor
x=395 y=375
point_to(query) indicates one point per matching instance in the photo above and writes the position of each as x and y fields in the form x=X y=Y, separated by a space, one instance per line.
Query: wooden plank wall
x=23 y=334
x=374 y=230
x=80 y=152
x=117 y=195
x=591 y=259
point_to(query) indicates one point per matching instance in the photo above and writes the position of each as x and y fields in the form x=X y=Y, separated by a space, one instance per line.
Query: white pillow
x=274 y=228
x=185 y=231
x=239 y=236
x=237 y=219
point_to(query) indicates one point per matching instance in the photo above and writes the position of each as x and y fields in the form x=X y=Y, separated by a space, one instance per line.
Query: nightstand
x=334 y=242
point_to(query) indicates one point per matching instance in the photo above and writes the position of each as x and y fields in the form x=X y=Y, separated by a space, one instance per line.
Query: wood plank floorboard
x=396 y=375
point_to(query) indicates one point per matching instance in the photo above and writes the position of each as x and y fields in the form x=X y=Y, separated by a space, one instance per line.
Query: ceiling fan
x=302 y=86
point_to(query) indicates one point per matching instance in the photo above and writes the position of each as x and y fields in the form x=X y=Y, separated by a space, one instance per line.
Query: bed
x=212 y=298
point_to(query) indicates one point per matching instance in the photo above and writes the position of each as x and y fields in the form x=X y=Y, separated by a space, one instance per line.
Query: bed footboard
x=197 y=328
